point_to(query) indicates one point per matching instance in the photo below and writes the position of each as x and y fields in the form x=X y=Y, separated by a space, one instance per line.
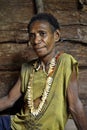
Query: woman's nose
x=37 y=39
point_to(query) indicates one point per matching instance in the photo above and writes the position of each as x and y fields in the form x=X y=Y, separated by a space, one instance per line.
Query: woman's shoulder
x=66 y=58
x=65 y=55
x=29 y=63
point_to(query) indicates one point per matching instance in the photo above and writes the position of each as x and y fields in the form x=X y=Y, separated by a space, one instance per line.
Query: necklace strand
x=36 y=111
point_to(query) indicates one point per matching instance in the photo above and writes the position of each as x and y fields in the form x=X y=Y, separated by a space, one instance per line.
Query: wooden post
x=39 y=6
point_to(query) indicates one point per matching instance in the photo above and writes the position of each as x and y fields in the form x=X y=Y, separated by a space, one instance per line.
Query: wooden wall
x=14 y=18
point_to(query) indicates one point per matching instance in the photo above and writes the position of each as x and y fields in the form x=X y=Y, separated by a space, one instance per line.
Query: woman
x=49 y=84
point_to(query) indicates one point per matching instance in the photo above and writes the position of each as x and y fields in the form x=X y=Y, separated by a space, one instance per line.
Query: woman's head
x=45 y=17
x=43 y=33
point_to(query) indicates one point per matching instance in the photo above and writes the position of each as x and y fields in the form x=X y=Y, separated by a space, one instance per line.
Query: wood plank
x=26 y=8
x=7 y=80
x=61 y=5
x=13 y=36
x=75 y=33
x=71 y=17
x=77 y=50
x=14 y=32
x=58 y=1
x=13 y=55
x=18 y=10
x=83 y=17
x=14 y=27
x=65 y=17
x=66 y=5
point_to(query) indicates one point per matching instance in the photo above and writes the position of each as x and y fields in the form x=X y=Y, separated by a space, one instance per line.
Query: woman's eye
x=42 y=33
x=31 y=36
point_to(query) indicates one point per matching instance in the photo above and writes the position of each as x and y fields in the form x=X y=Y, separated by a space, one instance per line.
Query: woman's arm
x=12 y=97
x=75 y=105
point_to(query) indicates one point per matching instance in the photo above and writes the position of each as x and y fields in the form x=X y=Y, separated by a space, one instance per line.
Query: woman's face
x=42 y=38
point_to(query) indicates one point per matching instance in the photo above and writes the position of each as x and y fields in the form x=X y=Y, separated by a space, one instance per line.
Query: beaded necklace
x=36 y=111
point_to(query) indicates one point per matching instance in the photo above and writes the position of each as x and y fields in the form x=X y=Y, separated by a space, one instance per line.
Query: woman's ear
x=57 y=35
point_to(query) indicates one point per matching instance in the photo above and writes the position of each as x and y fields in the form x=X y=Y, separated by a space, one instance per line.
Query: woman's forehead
x=39 y=24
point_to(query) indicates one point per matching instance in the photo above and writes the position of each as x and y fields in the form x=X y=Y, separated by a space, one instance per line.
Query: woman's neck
x=46 y=59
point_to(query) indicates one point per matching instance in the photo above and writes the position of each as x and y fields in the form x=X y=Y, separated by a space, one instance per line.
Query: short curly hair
x=45 y=17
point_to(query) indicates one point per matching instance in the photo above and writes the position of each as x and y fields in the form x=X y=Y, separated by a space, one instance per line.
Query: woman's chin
x=40 y=54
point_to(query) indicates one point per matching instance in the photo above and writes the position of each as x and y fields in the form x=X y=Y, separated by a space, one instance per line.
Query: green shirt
x=54 y=113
